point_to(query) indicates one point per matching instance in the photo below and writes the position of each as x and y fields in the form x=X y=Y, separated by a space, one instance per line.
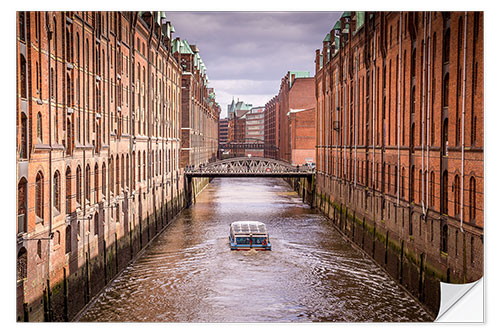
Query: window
x=23 y=77
x=472 y=200
x=111 y=175
x=22 y=27
x=68 y=191
x=118 y=175
x=39 y=124
x=444 y=238
x=103 y=181
x=87 y=183
x=22 y=189
x=57 y=191
x=57 y=238
x=139 y=167
x=39 y=249
x=79 y=185
x=96 y=224
x=456 y=189
x=444 y=191
x=68 y=240
x=96 y=182
x=432 y=188
x=39 y=195
x=24 y=137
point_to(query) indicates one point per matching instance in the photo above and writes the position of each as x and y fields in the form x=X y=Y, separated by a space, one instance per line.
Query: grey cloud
x=256 y=46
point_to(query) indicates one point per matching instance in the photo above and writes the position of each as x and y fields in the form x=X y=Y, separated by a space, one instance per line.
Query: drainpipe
x=463 y=129
x=373 y=109
x=355 y=121
x=428 y=105
x=399 y=107
x=424 y=210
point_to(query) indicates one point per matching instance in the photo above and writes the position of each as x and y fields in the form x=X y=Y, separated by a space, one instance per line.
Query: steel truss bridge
x=249 y=167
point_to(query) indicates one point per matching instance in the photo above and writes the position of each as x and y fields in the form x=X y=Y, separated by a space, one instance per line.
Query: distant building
x=271 y=128
x=222 y=136
x=236 y=133
x=254 y=133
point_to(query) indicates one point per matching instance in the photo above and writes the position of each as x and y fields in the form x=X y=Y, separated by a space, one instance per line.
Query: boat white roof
x=249 y=227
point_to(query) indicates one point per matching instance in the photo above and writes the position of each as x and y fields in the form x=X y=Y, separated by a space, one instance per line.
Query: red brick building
x=200 y=112
x=296 y=95
x=400 y=140
x=271 y=128
x=98 y=146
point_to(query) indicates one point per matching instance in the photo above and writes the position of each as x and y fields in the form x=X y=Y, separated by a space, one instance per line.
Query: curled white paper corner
x=461 y=302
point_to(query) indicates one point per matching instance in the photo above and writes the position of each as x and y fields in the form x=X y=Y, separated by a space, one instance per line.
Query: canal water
x=189 y=273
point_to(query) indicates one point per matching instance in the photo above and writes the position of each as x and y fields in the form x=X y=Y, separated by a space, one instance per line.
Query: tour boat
x=247 y=235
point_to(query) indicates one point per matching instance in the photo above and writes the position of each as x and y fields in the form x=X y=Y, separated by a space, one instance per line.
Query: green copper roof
x=327 y=38
x=337 y=26
x=360 y=20
x=346 y=14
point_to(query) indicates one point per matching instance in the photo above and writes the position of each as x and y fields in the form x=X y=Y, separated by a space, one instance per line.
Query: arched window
x=22 y=29
x=39 y=195
x=96 y=224
x=96 y=182
x=39 y=248
x=23 y=77
x=103 y=181
x=57 y=238
x=39 y=127
x=444 y=238
x=24 y=136
x=68 y=191
x=68 y=239
x=22 y=192
x=57 y=191
x=22 y=264
x=472 y=200
x=79 y=185
x=87 y=183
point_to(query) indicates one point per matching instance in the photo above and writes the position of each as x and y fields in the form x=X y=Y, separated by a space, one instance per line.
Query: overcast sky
x=247 y=53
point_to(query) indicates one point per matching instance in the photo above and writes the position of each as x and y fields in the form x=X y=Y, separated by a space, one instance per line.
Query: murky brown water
x=189 y=274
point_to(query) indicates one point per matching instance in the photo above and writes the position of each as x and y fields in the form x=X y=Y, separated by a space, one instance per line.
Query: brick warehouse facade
x=271 y=128
x=294 y=133
x=98 y=151
x=200 y=112
x=400 y=142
